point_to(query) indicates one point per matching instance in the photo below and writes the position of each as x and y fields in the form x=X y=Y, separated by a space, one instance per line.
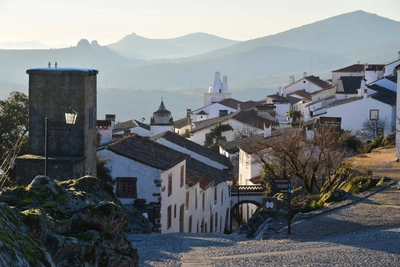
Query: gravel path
x=363 y=233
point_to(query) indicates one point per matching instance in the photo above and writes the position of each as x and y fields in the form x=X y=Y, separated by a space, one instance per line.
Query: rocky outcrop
x=78 y=222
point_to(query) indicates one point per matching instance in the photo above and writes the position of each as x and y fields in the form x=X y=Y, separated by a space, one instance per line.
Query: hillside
x=255 y=68
x=134 y=46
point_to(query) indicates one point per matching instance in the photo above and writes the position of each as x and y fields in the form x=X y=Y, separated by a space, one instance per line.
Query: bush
x=353 y=142
x=360 y=184
x=377 y=142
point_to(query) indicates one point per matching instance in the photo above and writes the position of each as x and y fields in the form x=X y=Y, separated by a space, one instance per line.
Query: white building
x=217 y=91
x=191 y=196
x=242 y=122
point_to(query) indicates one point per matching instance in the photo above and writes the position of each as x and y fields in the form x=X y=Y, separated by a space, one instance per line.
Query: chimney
x=304 y=74
x=365 y=66
x=111 y=117
x=284 y=92
x=188 y=111
x=267 y=130
x=291 y=79
x=238 y=107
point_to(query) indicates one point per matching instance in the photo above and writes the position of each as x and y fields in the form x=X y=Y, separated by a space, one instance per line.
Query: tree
x=295 y=115
x=310 y=158
x=217 y=131
x=14 y=123
x=244 y=131
x=373 y=128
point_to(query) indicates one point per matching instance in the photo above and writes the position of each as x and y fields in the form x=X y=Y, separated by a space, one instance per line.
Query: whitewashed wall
x=353 y=114
x=302 y=84
x=177 y=198
x=212 y=111
x=125 y=167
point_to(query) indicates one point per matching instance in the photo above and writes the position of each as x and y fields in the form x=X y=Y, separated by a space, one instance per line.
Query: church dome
x=162 y=115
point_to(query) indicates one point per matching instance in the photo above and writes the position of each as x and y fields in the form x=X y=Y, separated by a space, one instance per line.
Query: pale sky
x=55 y=22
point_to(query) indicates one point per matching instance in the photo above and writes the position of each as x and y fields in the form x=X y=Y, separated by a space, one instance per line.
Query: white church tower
x=218 y=91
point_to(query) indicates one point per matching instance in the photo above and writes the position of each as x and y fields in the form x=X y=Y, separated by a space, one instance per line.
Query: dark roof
x=316 y=80
x=143 y=150
x=233 y=146
x=392 y=78
x=383 y=95
x=249 y=144
x=103 y=123
x=342 y=101
x=256 y=143
x=350 y=84
x=198 y=172
x=162 y=110
x=305 y=95
x=249 y=117
x=199 y=125
x=233 y=103
x=202 y=113
x=359 y=68
x=192 y=146
x=129 y=125
x=181 y=123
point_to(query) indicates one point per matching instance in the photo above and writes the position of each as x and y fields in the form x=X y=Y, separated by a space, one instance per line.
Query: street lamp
x=70 y=119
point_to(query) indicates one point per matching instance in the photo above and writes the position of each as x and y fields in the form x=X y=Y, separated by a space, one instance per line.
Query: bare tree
x=311 y=158
x=373 y=128
x=244 y=131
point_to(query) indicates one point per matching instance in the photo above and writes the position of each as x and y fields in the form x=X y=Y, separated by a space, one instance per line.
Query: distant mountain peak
x=83 y=43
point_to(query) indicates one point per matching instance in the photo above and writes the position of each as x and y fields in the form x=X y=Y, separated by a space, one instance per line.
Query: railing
x=247 y=190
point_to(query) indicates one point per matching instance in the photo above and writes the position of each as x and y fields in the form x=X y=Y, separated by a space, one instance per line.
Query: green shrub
x=360 y=184
x=353 y=142
x=377 y=142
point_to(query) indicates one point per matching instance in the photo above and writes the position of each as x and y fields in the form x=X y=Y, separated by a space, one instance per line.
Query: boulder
x=78 y=222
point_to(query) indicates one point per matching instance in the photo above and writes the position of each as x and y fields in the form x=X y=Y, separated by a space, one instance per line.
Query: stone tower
x=71 y=149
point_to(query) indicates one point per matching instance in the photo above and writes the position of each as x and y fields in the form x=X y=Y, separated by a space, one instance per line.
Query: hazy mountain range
x=135 y=72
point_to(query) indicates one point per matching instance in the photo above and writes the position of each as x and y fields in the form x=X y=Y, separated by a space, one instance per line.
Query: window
x=247 y=161
x=169 y=184
x=174 y=211
x=187 y=200
x=182 y=175
x=374 y=114
x=190 y=224
x=195 y=198
x=169 y=217
x=222 y=197
x=215 y=195
x=126 y=187
x=203 y=200
x=216 y=222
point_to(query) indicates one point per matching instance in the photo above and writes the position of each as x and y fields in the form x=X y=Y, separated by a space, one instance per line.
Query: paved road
x=363 y=233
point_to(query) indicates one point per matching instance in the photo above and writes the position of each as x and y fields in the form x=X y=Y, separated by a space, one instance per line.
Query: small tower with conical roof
x=161 y=121
x=218 y=91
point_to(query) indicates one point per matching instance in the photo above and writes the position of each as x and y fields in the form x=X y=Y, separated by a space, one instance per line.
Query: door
x=181 y=218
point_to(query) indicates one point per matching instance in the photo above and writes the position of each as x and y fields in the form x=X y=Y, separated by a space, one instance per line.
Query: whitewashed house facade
x=179 y=185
